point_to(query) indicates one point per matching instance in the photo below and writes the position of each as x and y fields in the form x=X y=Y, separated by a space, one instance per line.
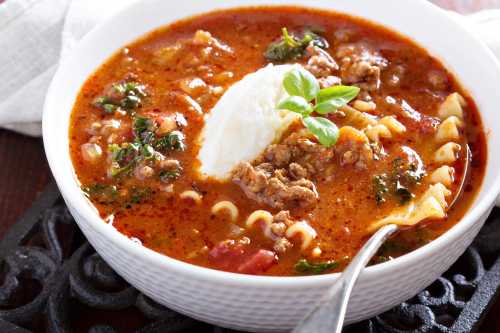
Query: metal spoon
x=328 y=315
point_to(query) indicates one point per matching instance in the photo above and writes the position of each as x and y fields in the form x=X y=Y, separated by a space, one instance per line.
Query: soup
x=275 y=141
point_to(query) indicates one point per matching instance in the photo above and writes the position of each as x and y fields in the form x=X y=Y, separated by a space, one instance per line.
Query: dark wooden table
x=24 y=173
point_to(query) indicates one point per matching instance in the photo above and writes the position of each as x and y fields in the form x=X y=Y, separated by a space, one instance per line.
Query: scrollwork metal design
x=52 y=280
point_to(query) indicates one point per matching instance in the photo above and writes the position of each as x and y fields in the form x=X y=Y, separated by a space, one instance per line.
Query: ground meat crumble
x=360 y=66
x=281 y=176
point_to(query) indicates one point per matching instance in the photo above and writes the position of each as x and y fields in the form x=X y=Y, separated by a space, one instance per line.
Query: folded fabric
x=35 y=34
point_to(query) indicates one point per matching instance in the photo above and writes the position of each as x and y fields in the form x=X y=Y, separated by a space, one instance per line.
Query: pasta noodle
x=357 y=118
x=348 y=133
x=447 y=153
x=393 y=125
x=443 y=175
x=193 y=195
x=431 y=205
x=452 y=106
x=384 y=129
x=264 y=216
x=305 y=230
x=448 y=130
x=374 y=133
x=364 y=106
x=226 y=205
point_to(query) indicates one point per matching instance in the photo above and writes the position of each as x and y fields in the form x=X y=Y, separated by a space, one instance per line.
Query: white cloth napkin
x=34 y=34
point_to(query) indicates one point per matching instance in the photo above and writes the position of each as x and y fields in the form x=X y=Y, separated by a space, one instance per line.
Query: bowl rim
x=75 y=199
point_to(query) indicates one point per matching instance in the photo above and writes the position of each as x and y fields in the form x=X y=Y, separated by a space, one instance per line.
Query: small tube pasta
x=305 y=230
x=393 y=124
x=448 y=130
x=259 y=215
x=447 y=153
x=452 y=106
x=375 y=133
x=264 y=216
x=443 y=175
x=357 y=118
x=350 y=134
x=228 y=206
x=193 y=195
x=439 y=192
x=431 y=205
x=364 y=106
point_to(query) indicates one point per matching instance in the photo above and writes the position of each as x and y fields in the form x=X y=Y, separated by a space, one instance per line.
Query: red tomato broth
x=183 y=230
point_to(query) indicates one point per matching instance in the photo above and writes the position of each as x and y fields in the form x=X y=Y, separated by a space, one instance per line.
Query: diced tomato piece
x=129 y=135
x=237 y=256
x=227 y=254
x=259 y=262
x=424 y=125
x=417 y=121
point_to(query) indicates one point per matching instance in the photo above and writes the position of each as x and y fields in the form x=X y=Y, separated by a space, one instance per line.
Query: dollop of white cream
x=244 y=121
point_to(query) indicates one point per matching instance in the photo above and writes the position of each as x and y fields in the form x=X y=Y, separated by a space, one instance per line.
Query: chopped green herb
x=116 y=170
x=413 y=174
x=130 y=102
x=102 y=193
x=125 y=153
x=124 y=157
x=168 y=175
x=403 y=177
x=144 y=130
x=139 y=194
x=407 y=173
x=108 y=194
x=130 y=89
x=147 y=152
x=380 y=188
x=141 y=125
x=172 y=141
x=291 y=47
x=146 y=146
x=105 y=104
x=131 y=97
x=304 y=266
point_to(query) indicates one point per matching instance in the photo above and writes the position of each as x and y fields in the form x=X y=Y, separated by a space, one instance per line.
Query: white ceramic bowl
x=259 y=303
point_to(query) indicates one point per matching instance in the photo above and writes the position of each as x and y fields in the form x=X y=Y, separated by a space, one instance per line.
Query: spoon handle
x=328 y=315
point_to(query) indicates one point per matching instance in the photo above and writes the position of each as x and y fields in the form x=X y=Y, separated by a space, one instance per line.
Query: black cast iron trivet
x=51 y=280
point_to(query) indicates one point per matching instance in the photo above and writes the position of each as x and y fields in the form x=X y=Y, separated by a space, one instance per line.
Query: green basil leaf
x=328 y=106
x=300 y=82
x=323 y=129
x=342 y=94
x=296 y=104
